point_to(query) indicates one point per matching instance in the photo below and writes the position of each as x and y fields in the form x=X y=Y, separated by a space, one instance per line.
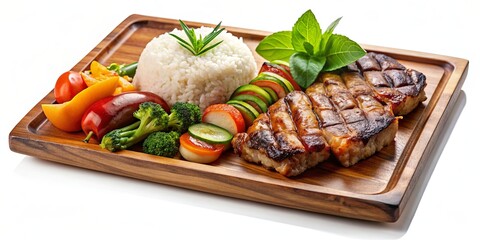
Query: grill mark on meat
x=376 y=79
x=356 y=84
x=345 y=103
x=377 y=112
x=284 y=129
x=386 y=62
x=368 y=63
x=261 y=138
x=275 y=141
x=399 y=78
x=306 y=122
x=392 y=82
x=368 y=116
x=378 y=115
x=418 y=79
x=352 y=116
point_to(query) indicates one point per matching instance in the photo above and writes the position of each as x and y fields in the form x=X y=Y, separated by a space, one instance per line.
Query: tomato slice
x=68 y=85
x=195 y=150
x=226 y=116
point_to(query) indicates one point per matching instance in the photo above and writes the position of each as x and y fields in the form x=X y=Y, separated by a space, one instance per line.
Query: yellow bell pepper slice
x=88 y=79
x=125 y=85
x=67 y=116
x=99 y=72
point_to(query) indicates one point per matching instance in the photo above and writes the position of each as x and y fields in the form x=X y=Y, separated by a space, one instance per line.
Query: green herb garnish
x=198 y=46
x=308 y=50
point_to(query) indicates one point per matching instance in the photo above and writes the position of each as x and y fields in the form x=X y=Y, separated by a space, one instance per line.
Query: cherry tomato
x=195 y=150
x=68 y=85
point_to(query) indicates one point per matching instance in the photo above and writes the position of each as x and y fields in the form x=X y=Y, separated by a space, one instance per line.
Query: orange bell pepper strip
x=67 y=116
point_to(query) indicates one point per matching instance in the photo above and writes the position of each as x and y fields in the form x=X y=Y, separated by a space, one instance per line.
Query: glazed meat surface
x=288 y=138
x=349 y=114
x=401 y=88
x=354 y=123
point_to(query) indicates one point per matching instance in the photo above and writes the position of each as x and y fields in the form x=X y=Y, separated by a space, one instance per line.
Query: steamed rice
x=175 y=74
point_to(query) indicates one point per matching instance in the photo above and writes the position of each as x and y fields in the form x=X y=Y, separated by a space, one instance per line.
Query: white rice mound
x=175 y=74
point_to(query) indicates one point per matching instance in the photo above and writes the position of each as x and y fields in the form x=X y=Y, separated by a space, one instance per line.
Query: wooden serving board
x=375 y=189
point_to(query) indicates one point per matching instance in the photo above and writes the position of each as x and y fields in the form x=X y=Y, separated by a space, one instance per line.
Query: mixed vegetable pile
x=104 y=104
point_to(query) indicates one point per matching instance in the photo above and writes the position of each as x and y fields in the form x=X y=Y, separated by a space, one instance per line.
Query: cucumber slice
x=253 y=90
x=246 y=106
x=246 y=110
x=210 y=133
x=254 y=101
x=272 y=93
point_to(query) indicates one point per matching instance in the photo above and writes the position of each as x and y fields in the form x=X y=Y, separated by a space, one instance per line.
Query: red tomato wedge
x=195 y=150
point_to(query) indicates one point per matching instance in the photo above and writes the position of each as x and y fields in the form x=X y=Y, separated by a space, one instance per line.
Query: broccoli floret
x=164 y=144
x=152 y=118
x=182 y=115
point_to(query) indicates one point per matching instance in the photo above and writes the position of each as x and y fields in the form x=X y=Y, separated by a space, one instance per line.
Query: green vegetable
x=308 y=50
x=198 y=46
x=210 y=133
x=124 y=70
x=152 y=118
x=277 y=46
x=164 y=144
x=182 y=115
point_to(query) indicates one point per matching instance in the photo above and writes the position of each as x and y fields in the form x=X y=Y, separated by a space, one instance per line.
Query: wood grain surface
x=375 y=189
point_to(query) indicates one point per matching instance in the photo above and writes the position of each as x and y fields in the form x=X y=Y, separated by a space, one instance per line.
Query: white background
x=44 y=200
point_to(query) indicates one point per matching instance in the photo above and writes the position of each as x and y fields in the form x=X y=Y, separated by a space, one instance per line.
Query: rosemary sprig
x=198 y=46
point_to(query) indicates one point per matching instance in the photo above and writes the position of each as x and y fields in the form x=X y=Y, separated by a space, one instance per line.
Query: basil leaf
x=341 y=51
x=306 y=29
x=305 y=68
x=277 y=46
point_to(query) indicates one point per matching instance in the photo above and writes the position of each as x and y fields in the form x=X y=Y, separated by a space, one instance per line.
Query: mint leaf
x=341 y=51
x=332 y=26
x=277 y=46
x=308 y=48
x=305 y=68
x=326 y=35
x=306 y=29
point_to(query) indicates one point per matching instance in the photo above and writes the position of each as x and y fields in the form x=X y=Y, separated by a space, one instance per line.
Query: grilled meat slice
x=394 y=84
x=287 y=138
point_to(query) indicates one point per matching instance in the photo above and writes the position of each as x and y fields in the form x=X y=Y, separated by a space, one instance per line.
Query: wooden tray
x=375 y=189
